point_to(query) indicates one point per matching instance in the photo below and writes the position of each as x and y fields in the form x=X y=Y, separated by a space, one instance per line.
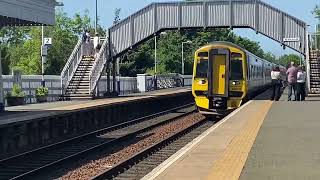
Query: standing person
x=88 y=36
x=292 y=80
x=276 y=83
x=301 y=84
x=96 y=40
x=84 y=36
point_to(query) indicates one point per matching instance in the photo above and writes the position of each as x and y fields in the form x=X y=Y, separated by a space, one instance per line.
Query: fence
x=146 y=83
x=29 y=84
x=128 y=85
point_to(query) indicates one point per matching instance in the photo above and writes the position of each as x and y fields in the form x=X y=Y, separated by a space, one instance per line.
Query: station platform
x=260 y=140
x=16 y=114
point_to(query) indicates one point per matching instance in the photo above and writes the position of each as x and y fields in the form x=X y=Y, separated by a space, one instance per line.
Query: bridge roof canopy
x=27 y=12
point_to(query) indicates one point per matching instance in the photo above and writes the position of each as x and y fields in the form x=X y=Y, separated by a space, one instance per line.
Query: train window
x=236 y=70
x=203 y=54
x=202 y=69
x=236 y=55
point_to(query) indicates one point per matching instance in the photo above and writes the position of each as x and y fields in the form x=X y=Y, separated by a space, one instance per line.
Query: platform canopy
x=27 y=12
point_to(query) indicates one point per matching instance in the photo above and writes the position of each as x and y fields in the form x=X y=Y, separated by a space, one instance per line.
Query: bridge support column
x=118 y=75
x=108 y=75
x=114 y=78
x=1 y=87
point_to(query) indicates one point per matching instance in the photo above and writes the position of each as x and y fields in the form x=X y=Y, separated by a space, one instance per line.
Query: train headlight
x=235 y=82
x=201 y=82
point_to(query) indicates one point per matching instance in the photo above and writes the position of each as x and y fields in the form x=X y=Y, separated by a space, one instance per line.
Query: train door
x=218 y=73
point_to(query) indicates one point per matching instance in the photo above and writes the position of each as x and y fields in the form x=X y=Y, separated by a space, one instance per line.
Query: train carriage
x=225 y=74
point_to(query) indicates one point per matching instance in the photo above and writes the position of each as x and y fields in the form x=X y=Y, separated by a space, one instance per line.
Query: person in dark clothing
x=301 y=84
x=84 y=36
x=276 y=84
x=292 y=81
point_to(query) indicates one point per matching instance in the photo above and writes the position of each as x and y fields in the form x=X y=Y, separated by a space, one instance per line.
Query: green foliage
x=23 y=43
x=21 y=47
x=16 y=91
x=116 y=15
x=285 y=60
x=5 y=59
x=316 y=11
x=169 y=47
x=42 y=91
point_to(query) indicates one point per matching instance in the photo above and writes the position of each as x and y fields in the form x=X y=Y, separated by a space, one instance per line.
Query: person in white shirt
x=96 y=40
x=276 y=84
x=88 y=36
x=301 y=84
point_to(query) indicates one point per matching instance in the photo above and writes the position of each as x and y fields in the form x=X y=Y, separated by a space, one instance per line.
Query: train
x=225 y=75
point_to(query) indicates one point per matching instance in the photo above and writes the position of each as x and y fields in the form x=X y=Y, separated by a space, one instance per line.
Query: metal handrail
x=70 y=67
x=98 y=66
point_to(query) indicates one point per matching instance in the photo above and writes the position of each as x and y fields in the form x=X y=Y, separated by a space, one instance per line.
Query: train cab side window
x=236 y=70
x=203 y=54
x=202 y=69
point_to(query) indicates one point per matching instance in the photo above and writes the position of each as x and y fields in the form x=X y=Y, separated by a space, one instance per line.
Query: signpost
x=294 y=39
x=46 y=42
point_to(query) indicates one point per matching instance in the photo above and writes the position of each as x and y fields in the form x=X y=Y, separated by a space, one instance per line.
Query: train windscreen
x=202 y=69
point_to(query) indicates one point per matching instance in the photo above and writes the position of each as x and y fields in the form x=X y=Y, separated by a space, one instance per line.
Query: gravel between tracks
x=154 y=136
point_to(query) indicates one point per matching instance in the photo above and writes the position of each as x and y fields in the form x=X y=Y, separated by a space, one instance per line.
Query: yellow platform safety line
x=231 y=162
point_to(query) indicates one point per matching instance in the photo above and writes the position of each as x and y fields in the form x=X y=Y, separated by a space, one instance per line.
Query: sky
x=301 y=9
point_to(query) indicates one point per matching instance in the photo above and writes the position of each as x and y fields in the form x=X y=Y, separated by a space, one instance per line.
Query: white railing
x=71 y=66
x=98 y=66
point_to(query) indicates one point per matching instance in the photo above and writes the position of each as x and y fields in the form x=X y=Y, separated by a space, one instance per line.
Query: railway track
x=142 y=163
x=42 y=160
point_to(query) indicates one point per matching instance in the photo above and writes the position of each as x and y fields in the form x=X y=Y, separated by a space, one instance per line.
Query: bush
x=16 y=91
x=42 y=91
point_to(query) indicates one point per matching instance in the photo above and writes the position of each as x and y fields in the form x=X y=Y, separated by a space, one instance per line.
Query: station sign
x=295 y=39
x=47 y=41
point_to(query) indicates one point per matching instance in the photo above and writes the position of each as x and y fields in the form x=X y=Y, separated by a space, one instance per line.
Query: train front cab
x=219 y=79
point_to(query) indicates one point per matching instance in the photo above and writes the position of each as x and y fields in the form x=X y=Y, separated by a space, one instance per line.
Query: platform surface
x=27 y=112
x=288 y=145
x=260 y=140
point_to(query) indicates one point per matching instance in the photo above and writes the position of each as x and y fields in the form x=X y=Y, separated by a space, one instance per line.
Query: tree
x=24 y=43
x=5 y=59
x=316 y=12
x=270 y=57
x=116 y=15
x=285 y=60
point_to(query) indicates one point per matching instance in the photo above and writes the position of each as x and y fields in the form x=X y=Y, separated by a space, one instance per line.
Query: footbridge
x=156 y=17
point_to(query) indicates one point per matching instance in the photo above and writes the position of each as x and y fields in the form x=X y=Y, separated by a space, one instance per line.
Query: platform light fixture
x=182 y=59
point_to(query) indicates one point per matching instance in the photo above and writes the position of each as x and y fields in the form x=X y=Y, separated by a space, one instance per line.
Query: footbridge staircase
x=156 y=17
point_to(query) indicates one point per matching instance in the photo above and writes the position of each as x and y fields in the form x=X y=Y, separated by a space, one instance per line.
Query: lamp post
x=155 y=58
x=42 y=57
x=2 y=108
x=96 y=24
x=182 y=60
